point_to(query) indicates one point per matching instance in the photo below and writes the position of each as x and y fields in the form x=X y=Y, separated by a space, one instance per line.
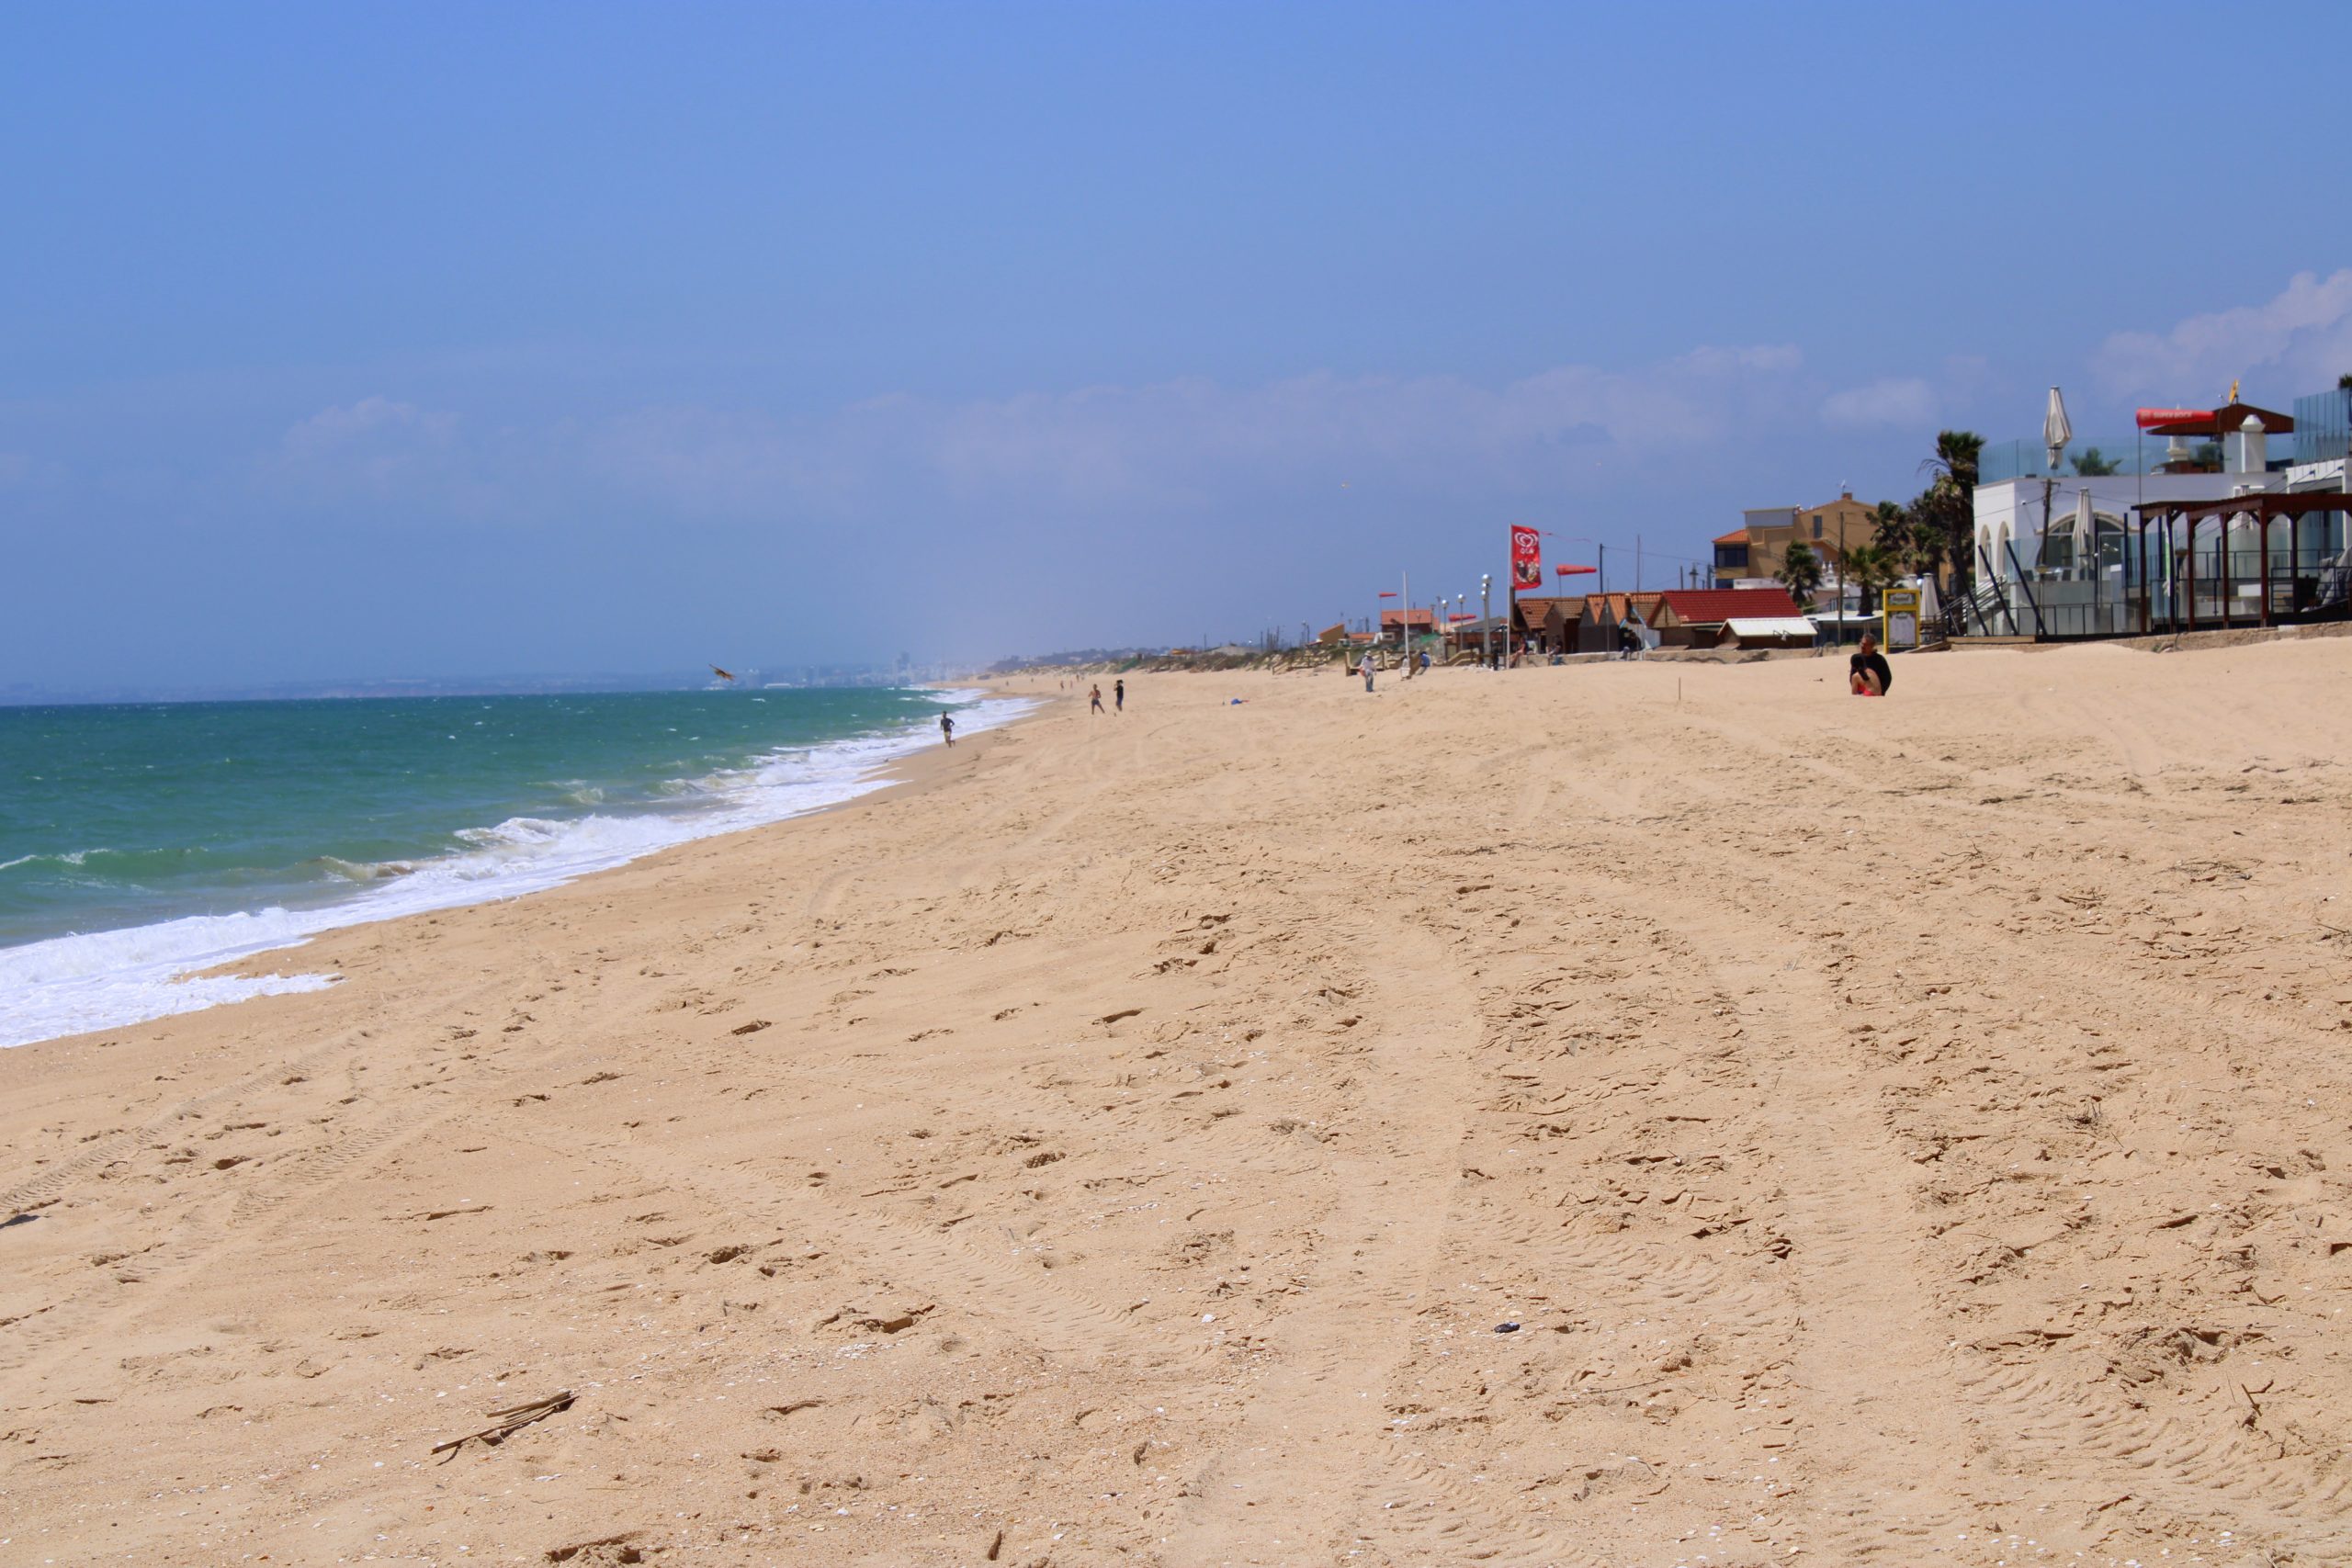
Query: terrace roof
x=2263 y=503
x=2222 y=421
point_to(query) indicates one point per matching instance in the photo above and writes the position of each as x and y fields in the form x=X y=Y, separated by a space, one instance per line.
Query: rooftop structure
x=1759 y=546
x=2073 y=553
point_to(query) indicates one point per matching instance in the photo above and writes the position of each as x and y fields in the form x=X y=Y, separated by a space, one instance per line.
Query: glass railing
x=2323 y=426
x=2030 y=459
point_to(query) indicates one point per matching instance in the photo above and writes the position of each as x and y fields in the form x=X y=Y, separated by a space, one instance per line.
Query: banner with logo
x=1526 y=559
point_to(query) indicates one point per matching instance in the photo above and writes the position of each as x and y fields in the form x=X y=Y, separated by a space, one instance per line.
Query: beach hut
x=1560 y=624
x=1697 y=617
x=1531 y=620
x=1597 y=626
x=1603 y=614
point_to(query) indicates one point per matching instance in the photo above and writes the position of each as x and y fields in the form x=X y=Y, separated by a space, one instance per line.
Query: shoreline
x=250 y=967
x=1131 y=1141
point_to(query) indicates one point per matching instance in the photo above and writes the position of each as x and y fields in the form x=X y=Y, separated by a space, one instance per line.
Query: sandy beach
x=1907 y=1130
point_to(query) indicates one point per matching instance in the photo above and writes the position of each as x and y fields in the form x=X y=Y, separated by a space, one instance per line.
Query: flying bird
x=722 y=674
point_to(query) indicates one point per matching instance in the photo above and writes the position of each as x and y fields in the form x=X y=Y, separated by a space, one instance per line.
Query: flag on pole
x=1526 y=557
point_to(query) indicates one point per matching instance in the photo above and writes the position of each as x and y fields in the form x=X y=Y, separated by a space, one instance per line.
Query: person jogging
x=1094 y=700
x=947 y=728
x=1119 y=694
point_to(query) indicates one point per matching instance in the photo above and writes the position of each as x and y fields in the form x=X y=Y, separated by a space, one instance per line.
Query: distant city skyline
x=446 y=342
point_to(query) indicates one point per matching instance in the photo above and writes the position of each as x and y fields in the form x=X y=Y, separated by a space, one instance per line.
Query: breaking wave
x=70 y=984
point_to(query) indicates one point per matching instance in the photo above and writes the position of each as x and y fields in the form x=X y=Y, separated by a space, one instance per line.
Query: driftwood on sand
x=513 y=1419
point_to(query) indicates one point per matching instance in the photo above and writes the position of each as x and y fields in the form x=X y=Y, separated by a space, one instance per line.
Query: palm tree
x=1897 y=533
x=1800 y=573
x=1872 y=568
x=1947 y=508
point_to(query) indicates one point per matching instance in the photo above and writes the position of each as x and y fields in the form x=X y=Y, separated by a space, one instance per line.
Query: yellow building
x=1757 y=550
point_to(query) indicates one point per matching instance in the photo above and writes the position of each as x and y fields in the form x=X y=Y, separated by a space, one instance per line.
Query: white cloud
x=1174 y=441
x=1091 y=450
x=2297 y=341
x=374 y=448
x=1898 y=401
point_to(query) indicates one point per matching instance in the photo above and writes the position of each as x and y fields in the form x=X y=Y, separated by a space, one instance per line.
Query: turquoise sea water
x=139 y=841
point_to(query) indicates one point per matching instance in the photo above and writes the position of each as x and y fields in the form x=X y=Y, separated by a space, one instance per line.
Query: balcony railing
x=2025 y=459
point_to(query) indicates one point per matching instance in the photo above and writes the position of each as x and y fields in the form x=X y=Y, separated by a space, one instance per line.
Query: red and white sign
x=1526 y=557
x=2151 y=418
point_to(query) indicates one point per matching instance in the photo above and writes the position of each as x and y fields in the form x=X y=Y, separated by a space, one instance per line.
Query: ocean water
x=139 y=842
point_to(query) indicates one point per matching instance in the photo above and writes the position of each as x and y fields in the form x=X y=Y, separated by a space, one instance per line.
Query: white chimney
x=2254 y=451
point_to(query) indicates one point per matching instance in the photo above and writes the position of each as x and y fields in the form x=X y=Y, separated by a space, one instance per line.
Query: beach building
x=1536 y=616
x=1394 y=624
x=1731 y=558
x=1701 y=617
x=2136 y=534
x=1567 y=628
x=1560 y=624
x=1602 y=616
x=1756 y=550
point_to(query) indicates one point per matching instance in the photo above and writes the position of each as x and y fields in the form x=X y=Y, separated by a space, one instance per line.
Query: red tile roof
x=1736 y=536
x=1420 y=617
x=1710 y=607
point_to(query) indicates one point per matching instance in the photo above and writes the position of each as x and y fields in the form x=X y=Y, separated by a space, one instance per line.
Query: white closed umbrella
x=2055 y=430
x=2085 y=530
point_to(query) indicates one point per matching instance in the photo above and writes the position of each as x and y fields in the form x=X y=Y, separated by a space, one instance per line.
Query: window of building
x=1817 y=524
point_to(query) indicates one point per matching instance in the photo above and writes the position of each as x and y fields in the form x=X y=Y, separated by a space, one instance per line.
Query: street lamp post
x=1486 y=617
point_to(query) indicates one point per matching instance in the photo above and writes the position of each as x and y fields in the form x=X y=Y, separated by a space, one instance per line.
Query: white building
x=2057 y=555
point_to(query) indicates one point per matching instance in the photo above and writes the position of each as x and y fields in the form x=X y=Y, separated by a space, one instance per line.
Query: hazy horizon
x=427 y=342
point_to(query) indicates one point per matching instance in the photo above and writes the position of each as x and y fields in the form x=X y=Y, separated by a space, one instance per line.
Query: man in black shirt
x=1867 y=670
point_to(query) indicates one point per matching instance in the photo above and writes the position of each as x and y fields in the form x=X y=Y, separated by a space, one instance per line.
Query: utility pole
x=1487 y=616
x=1604 y=570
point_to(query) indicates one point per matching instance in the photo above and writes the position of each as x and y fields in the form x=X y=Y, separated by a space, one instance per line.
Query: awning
x=1761 y=626
x=2220 y=421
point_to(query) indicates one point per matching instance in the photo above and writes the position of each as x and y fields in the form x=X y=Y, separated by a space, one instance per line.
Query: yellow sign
x=1898 y=617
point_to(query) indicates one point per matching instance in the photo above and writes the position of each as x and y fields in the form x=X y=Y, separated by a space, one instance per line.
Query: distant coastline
x=30 y=694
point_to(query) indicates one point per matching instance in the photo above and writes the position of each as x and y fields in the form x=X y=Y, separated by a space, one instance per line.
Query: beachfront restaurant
x=2134 y=539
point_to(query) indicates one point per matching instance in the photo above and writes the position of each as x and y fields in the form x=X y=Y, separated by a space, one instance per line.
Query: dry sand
x=1904 y=1131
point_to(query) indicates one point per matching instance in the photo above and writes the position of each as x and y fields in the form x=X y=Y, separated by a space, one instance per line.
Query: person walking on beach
x=947 y=728
x=1365 y=668
x=1866 y=672
x=1094 y=700
x=1119 y=694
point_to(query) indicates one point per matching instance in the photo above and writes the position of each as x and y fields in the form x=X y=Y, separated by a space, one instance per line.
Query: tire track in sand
x=1290 y=1485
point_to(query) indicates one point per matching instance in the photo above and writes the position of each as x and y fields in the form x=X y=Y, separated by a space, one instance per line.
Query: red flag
x=1573 y=570
x=1526 y=557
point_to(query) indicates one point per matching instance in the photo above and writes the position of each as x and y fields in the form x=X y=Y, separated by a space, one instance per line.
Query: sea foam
x=71 y=985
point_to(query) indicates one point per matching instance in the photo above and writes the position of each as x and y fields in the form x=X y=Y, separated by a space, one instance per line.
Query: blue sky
x=345 y=340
